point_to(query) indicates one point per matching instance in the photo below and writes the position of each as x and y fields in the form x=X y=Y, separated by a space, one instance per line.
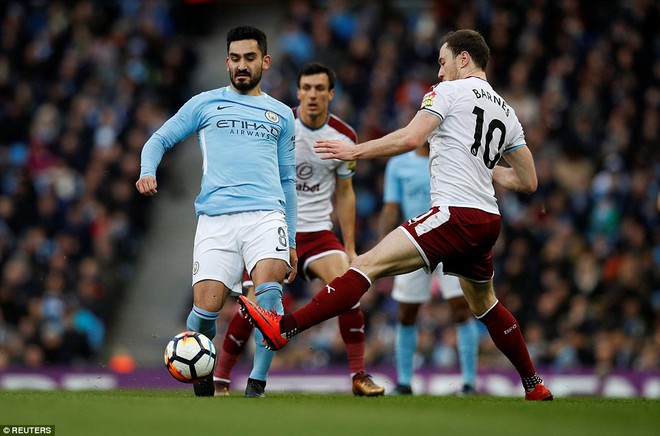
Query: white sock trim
x=362 y=274
x=489 y=309
x=215 y=379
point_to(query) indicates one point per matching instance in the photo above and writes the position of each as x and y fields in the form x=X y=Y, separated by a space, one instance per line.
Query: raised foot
x=267 y=321
x=540 y=393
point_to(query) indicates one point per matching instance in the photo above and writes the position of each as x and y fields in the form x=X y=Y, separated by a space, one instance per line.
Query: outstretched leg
x=395 y=254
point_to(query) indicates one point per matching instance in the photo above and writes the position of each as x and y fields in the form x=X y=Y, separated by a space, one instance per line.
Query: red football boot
x=540 y=393
x=268 y=323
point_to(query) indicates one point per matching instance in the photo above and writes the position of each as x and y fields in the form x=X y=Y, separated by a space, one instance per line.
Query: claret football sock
x=505 y=332
x=203 y=321
x=351 y=327
x=336 y=297
x=239 y=330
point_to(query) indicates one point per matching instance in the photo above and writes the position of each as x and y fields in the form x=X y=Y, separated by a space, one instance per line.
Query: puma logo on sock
x=236 y=341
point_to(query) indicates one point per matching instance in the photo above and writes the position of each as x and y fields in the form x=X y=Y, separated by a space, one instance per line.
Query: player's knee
x=210 y=295
x=358 y=261
x=269 y=270
x=365 y=264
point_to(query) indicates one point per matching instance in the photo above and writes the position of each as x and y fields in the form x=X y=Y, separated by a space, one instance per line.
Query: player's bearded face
x=245 y=64
x=244 y=79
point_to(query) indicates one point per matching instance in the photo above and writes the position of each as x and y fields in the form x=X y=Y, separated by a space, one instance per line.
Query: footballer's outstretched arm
x=400 y=141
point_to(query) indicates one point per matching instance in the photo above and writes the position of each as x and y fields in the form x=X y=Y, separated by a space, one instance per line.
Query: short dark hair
x=241 y=33
x=470 y=41
x=317 y=68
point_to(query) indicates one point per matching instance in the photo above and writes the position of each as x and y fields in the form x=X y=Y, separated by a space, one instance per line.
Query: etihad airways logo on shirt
x=247 y=128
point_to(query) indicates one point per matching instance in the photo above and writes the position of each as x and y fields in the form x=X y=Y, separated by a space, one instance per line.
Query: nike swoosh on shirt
x=280 y=249
x=222 y=107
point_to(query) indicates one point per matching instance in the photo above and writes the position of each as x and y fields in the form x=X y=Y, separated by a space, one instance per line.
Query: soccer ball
x=190 y=356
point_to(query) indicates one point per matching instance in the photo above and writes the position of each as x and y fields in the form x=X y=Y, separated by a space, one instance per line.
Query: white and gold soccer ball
x=190 y=357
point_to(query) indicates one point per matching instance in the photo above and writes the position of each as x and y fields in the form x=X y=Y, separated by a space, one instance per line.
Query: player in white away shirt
x=320 y=253
x=469 y=128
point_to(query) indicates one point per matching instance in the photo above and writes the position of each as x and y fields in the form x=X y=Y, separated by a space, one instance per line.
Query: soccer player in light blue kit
x=247 y=204
x=407 y=193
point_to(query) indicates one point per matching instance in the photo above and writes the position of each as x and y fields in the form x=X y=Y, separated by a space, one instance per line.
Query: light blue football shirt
x=408 y=182
x=248 y=152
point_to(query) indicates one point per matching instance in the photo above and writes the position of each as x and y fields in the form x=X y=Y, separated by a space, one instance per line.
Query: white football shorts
x=415 y=287
x=226 y=245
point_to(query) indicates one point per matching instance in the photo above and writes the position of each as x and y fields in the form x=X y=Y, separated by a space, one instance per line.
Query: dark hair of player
x=317 y=68
x=241 y=33
x=470 y=41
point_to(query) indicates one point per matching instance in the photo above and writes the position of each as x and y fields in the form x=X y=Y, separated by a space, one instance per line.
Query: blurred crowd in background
x=83 y=84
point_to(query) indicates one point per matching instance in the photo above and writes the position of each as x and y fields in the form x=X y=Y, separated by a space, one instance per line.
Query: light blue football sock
x=269 y=296
x=202 y=321
x=467 y=338
x=406 y=344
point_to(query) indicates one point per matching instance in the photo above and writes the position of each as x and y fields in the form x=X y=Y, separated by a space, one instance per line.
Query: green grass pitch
x=178 y=412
